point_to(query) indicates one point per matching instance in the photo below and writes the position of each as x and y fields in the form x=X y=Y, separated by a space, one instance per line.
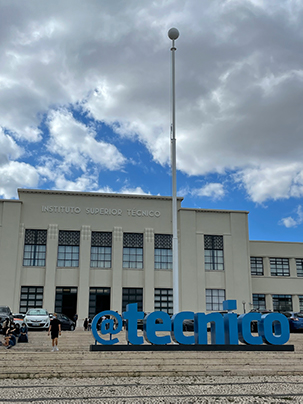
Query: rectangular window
x=282 y=302
x=164 y=300
x=279 y=266
x=299 y=264
x=259 y=302
x=213 y=253
x=31 y=298
x=256 y=265
x=101 y=250
x=163 y=251
x=133 y=250
x=35 y=248
x=214 y=299
x=132 y=295
x=301 y=303
x=68 y=248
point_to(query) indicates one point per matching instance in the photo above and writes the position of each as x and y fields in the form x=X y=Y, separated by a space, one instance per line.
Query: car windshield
x=4 y=309
x=37 y=312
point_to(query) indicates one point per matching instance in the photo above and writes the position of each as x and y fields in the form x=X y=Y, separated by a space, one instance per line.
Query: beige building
x=80 y=252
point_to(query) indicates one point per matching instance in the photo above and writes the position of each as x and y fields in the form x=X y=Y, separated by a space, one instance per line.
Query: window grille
x=256 y=265
x=213 y=253
x=133 y=250
x=279 y=266
x=163 y=251
x=299 y=264
x=31 y=297
x=132 y=295
x=68 y=249
x=214 y=299
x=35 y=248
x=259 y=302
x=101 y=250
x=164 y=300
x=282 y=302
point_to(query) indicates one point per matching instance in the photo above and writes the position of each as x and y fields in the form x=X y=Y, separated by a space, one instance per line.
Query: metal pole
x=173 y=34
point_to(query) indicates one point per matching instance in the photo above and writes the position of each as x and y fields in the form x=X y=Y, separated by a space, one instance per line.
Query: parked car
x=295 y=320
x=18 y=318
x=66 y=322
x=5 y=313
x=37 y=319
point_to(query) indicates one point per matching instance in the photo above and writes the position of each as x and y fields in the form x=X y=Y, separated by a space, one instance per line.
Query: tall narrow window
x=214 y=299
x=133 y=250
x=259 y=301
x=299 y=264
x=164 y=300
x=163 y=251
x=132 y=295
x=256 y=265
x=213 y=252
x=279 y=266
x=301 y=303
x=68 y=249
x=101 y=250
x=35 y=248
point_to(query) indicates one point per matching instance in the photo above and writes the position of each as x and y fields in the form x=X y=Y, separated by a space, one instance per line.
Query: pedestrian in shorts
x=55 y=331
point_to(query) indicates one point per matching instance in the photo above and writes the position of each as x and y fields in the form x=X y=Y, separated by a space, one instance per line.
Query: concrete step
x=74 y=359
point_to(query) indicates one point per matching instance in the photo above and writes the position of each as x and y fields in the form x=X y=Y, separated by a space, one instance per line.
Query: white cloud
x=293 y=222
x=272 y=182
x=211 y=190
x=17 y=175
x=239 y=85
x=76 y=142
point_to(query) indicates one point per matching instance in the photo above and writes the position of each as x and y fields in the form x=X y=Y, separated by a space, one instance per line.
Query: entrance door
x=66 y=301
x=99 y=300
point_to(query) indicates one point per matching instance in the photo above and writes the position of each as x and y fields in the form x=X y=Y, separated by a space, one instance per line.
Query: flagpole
x=173 y=34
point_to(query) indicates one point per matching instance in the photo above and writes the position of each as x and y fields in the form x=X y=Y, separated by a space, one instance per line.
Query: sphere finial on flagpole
x=173 y=34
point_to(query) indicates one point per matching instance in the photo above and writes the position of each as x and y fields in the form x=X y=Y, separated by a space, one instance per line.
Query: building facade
x=77 y=252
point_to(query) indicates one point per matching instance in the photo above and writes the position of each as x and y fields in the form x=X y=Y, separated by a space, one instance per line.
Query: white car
x=37 y=318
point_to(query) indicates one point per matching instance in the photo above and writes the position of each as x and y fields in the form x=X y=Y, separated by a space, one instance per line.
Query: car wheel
x=72 y=327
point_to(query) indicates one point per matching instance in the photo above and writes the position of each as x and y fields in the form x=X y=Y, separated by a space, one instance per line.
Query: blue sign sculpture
x=227 y=329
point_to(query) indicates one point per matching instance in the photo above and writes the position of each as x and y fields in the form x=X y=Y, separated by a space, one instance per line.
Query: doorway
x=66 y=301
x=99 y=300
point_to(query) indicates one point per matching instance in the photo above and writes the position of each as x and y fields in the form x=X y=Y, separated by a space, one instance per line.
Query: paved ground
x=207 y=377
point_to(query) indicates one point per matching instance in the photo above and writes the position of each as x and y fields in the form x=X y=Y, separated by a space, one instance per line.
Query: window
x=299 y=264
x=132 y=295
x=35 y=248
x=164 y=300
x=256 y=265
x=301 y=302
x=282 y=302
x=101 y=250
x=279 y=266
x=213 y=251
x=214 y=299
x=31 y=297
x=259 y=302
x=133 y=250
x=163 y=251
x=68 y=249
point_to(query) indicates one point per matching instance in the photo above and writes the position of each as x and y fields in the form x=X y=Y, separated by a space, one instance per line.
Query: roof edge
x=92 y=194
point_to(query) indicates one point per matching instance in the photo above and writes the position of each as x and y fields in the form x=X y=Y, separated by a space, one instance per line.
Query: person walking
x=85 y=324
x=55 y=331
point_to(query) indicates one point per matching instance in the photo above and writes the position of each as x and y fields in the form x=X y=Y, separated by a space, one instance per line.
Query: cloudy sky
x=85 y=102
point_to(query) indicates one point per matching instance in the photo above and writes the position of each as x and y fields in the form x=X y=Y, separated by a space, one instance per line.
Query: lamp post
x=173 y=34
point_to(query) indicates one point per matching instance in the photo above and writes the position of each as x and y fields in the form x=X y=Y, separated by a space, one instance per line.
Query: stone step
x=74 y=359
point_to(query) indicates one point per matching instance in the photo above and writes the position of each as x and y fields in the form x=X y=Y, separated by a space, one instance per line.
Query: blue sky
x=85 y=103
